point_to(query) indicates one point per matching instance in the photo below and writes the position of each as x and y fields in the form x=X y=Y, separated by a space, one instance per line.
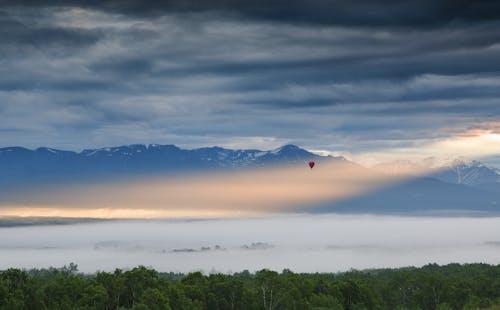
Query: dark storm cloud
x=123 y=66
x=93 y=73
x=330 y=12
x=16 y=32
x=399 y=56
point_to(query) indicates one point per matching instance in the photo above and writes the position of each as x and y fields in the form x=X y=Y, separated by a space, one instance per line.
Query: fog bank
x=302 y=243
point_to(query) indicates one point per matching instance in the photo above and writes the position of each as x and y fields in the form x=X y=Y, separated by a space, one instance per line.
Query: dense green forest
x=454 y=286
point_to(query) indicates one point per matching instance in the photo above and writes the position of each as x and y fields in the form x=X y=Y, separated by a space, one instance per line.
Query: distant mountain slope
x=20 y=165
x=458 y=185
x=490 y=187
x=419 y=196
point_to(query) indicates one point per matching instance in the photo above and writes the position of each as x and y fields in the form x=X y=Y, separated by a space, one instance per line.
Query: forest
x=452 y=286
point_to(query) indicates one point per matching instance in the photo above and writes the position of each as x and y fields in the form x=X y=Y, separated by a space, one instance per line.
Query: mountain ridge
x=44 y=164
x=31 y=169
x=458 y=170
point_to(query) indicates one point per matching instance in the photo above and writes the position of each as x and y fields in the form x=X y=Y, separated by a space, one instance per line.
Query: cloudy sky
x=370 y=81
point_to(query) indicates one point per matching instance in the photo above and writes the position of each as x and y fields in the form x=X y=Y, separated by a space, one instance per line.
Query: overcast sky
x=354 y=77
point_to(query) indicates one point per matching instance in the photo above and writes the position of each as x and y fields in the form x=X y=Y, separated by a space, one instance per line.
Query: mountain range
x=20 y=165
x=457 y=186
x=470 y=172
x=457 y=171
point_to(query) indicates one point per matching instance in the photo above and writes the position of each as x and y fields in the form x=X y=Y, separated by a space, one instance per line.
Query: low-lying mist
x=302 y=243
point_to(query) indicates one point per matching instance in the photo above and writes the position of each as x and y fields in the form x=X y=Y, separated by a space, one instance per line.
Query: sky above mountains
x=370 y=81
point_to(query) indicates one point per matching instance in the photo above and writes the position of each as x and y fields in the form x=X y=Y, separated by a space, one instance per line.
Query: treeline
x=454 y=286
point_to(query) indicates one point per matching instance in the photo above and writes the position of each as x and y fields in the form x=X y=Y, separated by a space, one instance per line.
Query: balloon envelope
x=311 y=164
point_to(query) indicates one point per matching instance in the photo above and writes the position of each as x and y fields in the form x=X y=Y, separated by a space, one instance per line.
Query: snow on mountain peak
x=47 y=149
x=459 y=170
x=288 y=148
x=464 y=162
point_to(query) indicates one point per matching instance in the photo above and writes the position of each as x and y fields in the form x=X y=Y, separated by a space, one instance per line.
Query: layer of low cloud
x=337 y=76
x=302 y=243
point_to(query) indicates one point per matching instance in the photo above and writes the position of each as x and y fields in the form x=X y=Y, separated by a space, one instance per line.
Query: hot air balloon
x=311 y=164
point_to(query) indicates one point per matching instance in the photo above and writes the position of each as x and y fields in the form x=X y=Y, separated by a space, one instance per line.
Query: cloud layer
x=302 y=243
x=328 y=75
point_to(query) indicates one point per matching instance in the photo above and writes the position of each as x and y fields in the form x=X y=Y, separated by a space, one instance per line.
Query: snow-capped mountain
x=468 y=172
x=447 y=188
x=457 y=171
x=19 y=164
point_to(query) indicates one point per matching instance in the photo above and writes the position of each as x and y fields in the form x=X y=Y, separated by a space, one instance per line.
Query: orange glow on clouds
x=283 y=189
x=480 y=141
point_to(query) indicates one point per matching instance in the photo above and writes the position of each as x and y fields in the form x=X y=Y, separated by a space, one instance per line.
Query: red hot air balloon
x=311 y=164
